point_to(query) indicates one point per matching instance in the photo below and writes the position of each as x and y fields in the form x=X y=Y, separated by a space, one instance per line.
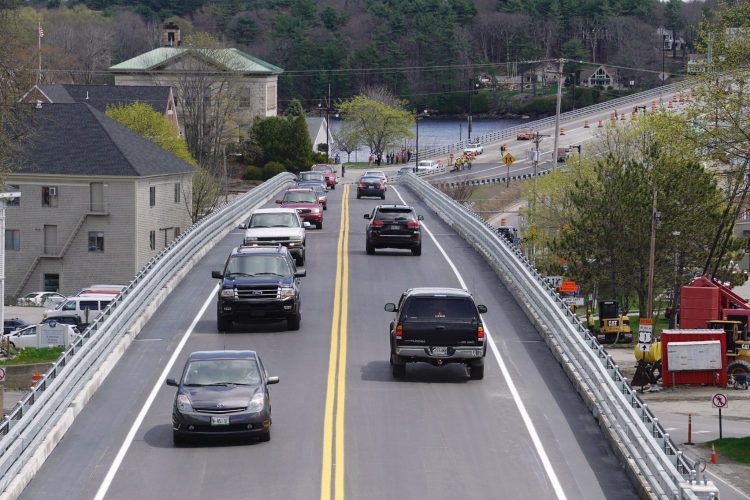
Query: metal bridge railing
x=645 y=449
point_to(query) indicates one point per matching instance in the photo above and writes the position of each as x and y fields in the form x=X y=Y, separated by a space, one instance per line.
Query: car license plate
x=370 y=187
x=395 y=228
x=440 y=351
x=219 y=420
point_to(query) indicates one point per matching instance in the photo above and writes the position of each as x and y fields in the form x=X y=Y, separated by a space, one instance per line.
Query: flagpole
x=39 y=50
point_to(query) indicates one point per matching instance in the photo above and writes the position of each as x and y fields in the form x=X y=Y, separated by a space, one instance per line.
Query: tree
x=243 y=30
x=284 y=139
x=346 y=139
x=204 y=197
x=142 y=119
x=379 y=125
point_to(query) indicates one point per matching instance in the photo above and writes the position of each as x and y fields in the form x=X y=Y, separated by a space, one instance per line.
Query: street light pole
x=328 y=109
x=652 y=256
x=557 y=112
x=471 y=94
x=416 y=118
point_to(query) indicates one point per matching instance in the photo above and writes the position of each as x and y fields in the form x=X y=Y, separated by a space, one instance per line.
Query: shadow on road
x=380 y=371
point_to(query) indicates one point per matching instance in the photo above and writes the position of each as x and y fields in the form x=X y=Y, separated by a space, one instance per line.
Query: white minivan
x=87 y=307
x=52 y=335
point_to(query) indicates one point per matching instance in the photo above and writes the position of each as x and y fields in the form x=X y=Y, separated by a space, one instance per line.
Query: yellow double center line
x=333 y=432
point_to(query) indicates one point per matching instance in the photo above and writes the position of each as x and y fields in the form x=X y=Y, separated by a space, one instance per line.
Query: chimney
x=171 y=35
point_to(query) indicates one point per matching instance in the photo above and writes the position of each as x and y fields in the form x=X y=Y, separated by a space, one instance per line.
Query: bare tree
x=347 y=139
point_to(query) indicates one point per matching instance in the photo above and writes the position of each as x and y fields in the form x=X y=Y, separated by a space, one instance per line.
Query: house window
x=96 y=241
x=49 y=196
x=176 y=231
x=152 y=196
x=13 y=202
x=177 y=189
x=152 y=240
x=243 y=102
x=13 y=239
x=51 y=282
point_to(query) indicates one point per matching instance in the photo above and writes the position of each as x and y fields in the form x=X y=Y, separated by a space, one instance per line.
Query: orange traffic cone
x=585 y=124
x=714 y=460
x=562 y=131
x=36 y=378
x=601 y=123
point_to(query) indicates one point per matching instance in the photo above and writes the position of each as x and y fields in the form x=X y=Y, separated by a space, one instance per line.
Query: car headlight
x=228 y=293
x=249 y=241
x=315 y=210
x=183 y=403
x=295 y=243
x=286 y=292
x=256 y=404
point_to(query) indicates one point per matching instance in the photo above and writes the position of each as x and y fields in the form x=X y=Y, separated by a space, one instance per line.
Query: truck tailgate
x=439 y=333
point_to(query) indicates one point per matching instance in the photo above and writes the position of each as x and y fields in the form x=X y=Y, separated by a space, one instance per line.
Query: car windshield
x=374 y=173
x=439 y=308
x=311 y=176
x=394 y=214
x=274 y=220
x=222 y=372
x=371 y=178
x=300 y=197
x=323 y=168
x=257 y=265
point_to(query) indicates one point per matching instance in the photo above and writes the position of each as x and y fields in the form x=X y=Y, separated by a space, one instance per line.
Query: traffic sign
x=508 y=159
x=568 y=286
x=645 y=330
x=720 y=401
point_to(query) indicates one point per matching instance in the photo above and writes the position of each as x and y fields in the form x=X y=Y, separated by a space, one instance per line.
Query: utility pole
x=537 y=139
x=328 y=110
x=652 y=255
x=471 y=94
x=557 y=112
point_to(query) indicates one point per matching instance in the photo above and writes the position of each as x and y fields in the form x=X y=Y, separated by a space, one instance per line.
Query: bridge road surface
x=435 y=434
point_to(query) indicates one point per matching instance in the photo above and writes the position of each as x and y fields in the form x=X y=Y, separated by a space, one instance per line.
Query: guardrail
x=27 y=425
x=510 y=133
x=653 y=462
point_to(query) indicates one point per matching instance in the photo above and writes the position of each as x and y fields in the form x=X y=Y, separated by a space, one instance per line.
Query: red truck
x=328 y=171
x=306 y=202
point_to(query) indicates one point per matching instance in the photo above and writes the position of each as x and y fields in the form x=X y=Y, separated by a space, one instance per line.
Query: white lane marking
x=508 y=380
x=149 y=401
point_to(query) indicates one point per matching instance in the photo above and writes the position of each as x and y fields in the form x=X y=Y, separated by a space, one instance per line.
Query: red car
x=328 y=171
x=306 y=201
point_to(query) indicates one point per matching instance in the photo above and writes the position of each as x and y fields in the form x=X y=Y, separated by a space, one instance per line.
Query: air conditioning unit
x=53 y=191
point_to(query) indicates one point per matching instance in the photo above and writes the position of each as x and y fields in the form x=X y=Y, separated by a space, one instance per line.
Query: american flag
x=41 y=32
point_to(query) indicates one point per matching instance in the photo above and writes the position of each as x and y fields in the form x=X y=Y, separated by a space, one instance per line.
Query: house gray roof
x=230 y=59
x=314 y=124
x=76 y=139
x=101 y=96
x=586 y=73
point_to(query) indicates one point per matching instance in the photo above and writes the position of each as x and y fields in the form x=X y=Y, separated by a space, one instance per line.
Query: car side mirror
x=172 y=382
x=420 y=217
x=272 y=380
x=278 y=202
x=243 y=226
x=390 y=307
x=482 y=309
x=300 y=273
x=367 y=216
x=306 y=224
x=217 y=274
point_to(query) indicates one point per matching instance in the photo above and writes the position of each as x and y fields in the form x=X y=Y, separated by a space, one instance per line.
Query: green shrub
x=10 y=300
x=32 y=355
x=539 y=106
x=253 y=173
x=272 y=168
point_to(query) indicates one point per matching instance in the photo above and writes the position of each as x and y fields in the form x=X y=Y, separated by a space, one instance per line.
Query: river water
x=437 y=132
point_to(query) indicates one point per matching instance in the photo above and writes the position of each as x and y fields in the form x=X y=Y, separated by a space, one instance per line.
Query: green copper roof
x=231 y=59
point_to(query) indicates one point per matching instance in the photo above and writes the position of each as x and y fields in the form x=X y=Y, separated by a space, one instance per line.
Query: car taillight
x=399 y=332
x=360 y=184
x=378 y=223
x=381 y=186
x=412 y=223
x=480 y=332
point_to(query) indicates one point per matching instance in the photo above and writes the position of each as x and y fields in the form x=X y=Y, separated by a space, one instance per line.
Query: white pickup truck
x=277 y=226
x=474 y=147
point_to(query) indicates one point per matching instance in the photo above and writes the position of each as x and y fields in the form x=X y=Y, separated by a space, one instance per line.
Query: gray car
x=222 y=393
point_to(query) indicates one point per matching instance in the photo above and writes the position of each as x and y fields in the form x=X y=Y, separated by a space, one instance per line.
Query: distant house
x=102 y=96
x=669 y=42
x=542 y=74
x=316 y=127
x=255 y=80
x=697 y=63
x=600 y=76
x=97 y=202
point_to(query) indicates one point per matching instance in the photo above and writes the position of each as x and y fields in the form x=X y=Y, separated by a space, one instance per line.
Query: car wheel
x=293 y=321
x=609 y=338
x=382 y=197
x=224 y=324
x=300 y=261
x=319 y=225
x=179 y=439
x=265 y=437
x=369 y=248
x=333 y=186
x=417 y=250
x=476 y=372
x=325 y=207
x=358 y=195
x=13 y=346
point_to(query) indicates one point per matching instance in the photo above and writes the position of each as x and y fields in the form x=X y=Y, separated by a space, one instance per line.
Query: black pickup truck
x=438 y=326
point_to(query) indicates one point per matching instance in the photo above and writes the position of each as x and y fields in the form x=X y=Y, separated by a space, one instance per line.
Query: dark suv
x=394 y=226
x=258 y=282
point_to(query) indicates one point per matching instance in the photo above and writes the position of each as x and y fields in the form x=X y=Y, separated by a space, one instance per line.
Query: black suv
x=394 y=226
x=437 y=326
x=258 y=282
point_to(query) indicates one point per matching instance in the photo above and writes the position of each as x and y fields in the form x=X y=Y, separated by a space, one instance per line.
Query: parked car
x=61 y=335
x=258 y=283
x=405 y=170
x=371 y=186
x=10 y=324
x=438 y=326
x=526 y=134
x=393 y=226
x=87 y=306
x=426 y=165
x=328 y=171
x=474 y=147
x=306 y=202
x=277 y=226
x=36 y=299
x=222 y=393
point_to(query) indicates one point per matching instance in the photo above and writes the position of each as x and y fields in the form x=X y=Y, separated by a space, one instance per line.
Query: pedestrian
x=398 y=158
x=343 y=170
x=338 y=159
x=408 y=155
x=369 y=160
x=590 y=319
x=378 y=159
